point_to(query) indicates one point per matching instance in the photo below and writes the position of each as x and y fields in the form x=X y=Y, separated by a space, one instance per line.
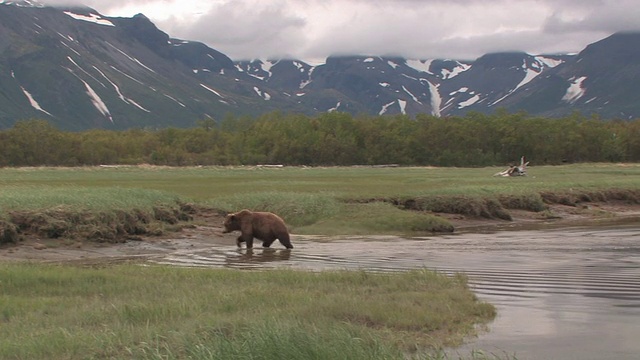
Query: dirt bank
x=209 y=233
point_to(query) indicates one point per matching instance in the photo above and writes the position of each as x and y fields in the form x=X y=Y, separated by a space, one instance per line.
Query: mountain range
x=81 y=70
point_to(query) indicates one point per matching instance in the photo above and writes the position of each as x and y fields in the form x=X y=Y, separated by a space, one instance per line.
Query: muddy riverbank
x=209 y=233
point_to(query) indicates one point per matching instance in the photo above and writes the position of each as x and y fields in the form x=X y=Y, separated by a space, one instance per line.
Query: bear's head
x=234 y=221
x=231 y=223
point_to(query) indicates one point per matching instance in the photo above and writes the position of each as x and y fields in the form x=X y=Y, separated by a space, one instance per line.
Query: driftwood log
x=513 y=170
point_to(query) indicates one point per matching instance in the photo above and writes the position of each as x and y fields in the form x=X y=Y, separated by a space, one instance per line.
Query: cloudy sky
x=311 y=30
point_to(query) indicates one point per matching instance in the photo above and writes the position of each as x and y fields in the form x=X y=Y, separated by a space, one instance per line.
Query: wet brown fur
x=264 y=226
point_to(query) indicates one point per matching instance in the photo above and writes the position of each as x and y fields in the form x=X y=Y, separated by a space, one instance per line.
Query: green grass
x=154 y=312
x=211 y=183
x=334 y=200
x=36 y=197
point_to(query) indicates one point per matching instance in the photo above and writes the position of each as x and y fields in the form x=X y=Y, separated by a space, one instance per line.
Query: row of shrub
x=332 y=139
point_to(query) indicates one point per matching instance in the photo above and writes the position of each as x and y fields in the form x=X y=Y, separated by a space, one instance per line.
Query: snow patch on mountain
x=436 y=99
x=403 y=106
x=84 y=71
x=33 y=102
x=97 y=102
x=69 y=47
x=261 y=78
x=175 y=100
x=463 y=89
x=474 y=99
x=66 y=37
x=385 y=108
x=333 y=109
x=421 y=65
x=540 y=64
x=22 y=3
x=176 y=42
x=548 y=62
x=304 y=83
x=127 y=75
x=120 y=95
x=262 y=94
x=130 y=57
x=92 y=18
x=266 y=66
x=411 y=94
x=212 y=90
x=299 y=66
x=575 y=90
x=457 y=70
x=114 y=86
x=529 y=75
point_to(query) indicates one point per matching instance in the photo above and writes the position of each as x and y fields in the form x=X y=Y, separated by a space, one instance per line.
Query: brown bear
x=263 y=226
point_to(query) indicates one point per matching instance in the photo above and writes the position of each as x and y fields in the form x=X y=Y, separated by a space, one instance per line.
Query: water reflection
x=561 y=294
x=244 y=258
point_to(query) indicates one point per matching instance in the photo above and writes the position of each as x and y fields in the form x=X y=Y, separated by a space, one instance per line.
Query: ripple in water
x=559 y=293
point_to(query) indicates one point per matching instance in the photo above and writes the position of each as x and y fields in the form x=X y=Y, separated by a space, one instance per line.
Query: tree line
x=336 y=138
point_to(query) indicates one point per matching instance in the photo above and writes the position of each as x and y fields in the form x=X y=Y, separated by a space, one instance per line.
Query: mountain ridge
x=80 y=70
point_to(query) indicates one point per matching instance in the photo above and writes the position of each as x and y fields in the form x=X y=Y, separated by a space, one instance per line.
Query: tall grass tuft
x=276 y=339
x=377 y=217
x=16 y=197
x=157 y=312
x=97 y=214
x=298 y=209
x=487 y=207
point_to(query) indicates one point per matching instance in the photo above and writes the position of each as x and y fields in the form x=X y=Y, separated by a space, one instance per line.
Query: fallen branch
x=513 y=170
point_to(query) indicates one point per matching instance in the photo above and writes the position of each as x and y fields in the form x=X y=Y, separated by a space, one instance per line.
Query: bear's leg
x=244 y=238
x=286 y=241
x=267 y=243
x=249 y=241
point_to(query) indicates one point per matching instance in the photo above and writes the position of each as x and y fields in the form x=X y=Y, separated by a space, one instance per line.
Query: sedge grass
x=316 y=200
x=130 y=311
x=379 y=218
x=34 y=197
x=210 y=183
x=299 y=208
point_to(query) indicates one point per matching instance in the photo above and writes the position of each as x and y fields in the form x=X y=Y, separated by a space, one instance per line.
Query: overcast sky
x=311 y=30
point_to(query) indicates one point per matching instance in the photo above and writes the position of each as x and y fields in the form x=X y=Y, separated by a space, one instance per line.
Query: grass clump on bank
x=300 y=209
x=376 y=217
x=129 y=311
x=94 y=214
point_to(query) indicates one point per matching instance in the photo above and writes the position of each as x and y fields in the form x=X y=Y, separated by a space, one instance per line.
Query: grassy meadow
x=332 y=201
x=156 y=312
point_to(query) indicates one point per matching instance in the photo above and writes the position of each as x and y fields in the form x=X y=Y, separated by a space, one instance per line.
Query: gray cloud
x=315 y=29
x=247 y=32
x=607 y=17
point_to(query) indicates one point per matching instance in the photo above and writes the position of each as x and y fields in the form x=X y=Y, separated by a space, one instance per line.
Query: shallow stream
x=570 y=293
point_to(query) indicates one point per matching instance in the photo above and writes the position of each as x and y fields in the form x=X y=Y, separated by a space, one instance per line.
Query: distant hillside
x=81 y=70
